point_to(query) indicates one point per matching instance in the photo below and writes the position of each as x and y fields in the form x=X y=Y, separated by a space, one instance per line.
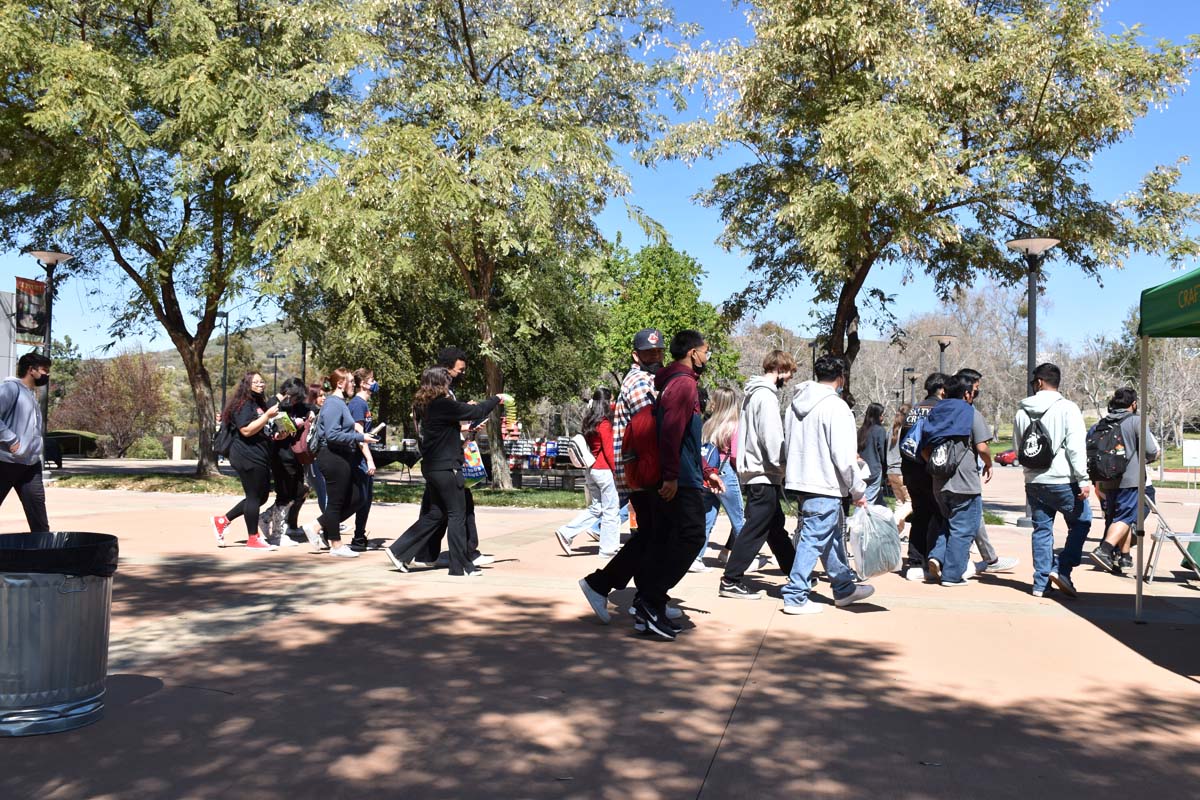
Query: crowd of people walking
x=668 y=456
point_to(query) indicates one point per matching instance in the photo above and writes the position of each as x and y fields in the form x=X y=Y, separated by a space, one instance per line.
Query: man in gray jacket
x=760 y=463
x=1120 y=494
x=822 y=469
x=1062 y=487
x=21 y=438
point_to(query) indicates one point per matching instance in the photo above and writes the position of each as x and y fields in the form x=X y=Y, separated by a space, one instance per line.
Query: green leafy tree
x=483 y=147
x=891 y=134
x=659 y=287
x=148 y=137
x=64 y=354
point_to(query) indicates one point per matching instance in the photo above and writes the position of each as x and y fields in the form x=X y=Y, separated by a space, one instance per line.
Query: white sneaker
x=699 y=566
x=397 y=563
x=483 y=559
x=597 y=601
x=1002 y=564
x=861 y=592
x=916 y=574
x=342 y=551
x=969 y=572
x=313 y=534
x=474 y=573
x=807 y=607
x=288 y=541
x=564 y=541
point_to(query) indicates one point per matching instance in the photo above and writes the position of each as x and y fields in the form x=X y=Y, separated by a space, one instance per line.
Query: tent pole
x=1140 y=530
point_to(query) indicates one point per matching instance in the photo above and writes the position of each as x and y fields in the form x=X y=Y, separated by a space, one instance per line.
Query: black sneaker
x=738 y=590
x=655 y=621
x=1104 y=560
x=1125 y=561
x=360 y=545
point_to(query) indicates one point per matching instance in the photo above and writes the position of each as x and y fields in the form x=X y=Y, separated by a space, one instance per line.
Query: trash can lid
x=61 y=553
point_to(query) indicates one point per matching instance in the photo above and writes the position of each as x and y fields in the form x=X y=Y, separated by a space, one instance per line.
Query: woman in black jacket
x=439 y=415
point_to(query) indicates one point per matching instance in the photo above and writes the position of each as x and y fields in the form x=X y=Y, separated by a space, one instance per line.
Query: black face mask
x=41 y=380
x=652 y=368
x=699 y=368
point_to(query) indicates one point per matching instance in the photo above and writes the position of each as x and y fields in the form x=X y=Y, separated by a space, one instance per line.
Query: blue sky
x=1078 y=307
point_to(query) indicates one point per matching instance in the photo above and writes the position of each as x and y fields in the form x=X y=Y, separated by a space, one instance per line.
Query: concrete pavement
x=293 y=675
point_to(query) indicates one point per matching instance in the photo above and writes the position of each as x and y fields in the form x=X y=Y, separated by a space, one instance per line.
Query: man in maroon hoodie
x=679 y=534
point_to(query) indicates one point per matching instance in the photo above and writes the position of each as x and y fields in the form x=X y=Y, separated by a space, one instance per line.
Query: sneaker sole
x=397 y=563
x=1109 y=568
x=810 y=608
x=563 y=543
x=653 y=629
x=739 y=596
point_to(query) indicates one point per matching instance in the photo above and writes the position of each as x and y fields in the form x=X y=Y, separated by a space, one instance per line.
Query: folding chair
x=1164 y=533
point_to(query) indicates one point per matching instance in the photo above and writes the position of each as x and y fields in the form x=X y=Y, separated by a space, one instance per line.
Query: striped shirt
x=637 y=392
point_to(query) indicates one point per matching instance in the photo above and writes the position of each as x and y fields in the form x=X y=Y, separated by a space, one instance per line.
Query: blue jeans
x=1046 y=500
x=953 y=547
x=875 y=491
x=622 y=513
x=820 y=535
x=730 y=500
x=603 y=490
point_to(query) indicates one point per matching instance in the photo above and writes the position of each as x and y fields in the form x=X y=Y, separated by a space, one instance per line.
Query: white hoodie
x=822 y=444
x=760 y=435
x=1068 y=436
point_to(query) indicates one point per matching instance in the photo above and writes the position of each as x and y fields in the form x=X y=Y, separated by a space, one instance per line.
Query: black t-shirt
x=298 y=414
x=257 y=446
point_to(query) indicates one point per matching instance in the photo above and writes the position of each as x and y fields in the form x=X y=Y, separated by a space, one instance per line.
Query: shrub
x=146 y=447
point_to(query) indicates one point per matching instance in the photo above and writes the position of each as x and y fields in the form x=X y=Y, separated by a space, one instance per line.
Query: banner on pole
x=30 y=320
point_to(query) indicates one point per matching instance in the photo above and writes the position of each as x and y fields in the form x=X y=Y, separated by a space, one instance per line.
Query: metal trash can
x=55 y=599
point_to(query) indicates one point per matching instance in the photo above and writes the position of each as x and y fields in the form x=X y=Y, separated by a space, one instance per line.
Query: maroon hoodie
x=679 y=426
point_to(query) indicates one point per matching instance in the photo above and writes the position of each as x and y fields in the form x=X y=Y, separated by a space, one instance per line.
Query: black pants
x=433 y=548
x=679 y=535
x=925 y=521
x=366 y=487
x=341 y=490
x=27 y=480
x=290 y=488
x=448 y=505
x=621 y=568
x=765 y=521
x=255 y=475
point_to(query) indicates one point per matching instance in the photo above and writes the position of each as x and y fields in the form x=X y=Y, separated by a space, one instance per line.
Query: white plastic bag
x=874 y=541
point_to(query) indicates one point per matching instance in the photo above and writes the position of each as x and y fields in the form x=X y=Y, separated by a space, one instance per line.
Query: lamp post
x=912 y=384
x=275 y=360
x=1034 y=252
x=224 y=358
x=812 y=346
x=903 y=375
x=49 y=261
x=943 y=341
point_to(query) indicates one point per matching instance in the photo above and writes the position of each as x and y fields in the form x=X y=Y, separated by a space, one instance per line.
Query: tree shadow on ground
x=506 y=694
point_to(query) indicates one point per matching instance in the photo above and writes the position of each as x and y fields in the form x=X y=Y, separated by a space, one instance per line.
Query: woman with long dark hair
x=602 y=486
x=438 y=417
x=249 y=413
x=337 y=457
x=872 y=449
x=720 y=436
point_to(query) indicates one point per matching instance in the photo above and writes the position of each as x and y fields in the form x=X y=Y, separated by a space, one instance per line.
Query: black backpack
x=1036 y=451
x=1106 y=456
x=945 y=457
x=223 y=438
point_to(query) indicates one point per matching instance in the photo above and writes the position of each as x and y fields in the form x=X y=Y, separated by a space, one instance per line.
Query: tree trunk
x=201 y=385
x=843 y=336
x=501 y=477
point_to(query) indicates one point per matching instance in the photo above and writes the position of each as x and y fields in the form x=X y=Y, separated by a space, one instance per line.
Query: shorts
x=1120 y=505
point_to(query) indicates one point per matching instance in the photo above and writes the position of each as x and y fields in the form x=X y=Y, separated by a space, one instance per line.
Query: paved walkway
x=292 y=675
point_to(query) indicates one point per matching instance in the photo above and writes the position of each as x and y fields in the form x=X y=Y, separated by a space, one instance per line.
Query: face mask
x=41 y=380
x=652 y=368
x=374 y=387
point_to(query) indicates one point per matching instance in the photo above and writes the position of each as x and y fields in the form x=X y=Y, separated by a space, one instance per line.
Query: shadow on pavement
x=507 y=695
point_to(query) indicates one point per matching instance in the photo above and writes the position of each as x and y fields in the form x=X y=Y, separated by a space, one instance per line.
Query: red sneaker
x=219 y=524
x=257 y=542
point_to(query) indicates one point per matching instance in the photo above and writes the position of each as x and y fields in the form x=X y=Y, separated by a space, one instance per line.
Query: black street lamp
x=904 y=374
x=1034 y=252
x=49 y=261
x=943 y=340
x=912 y=384
x=812 y=346
x=224 y=358
x=275 y=360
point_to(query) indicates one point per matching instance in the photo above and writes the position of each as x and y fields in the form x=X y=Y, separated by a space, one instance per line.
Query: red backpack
x=639 y=445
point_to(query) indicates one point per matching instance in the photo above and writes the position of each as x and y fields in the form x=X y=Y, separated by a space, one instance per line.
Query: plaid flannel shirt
x=637 y=392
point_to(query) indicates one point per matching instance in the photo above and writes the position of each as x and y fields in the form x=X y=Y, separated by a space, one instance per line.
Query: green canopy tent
x=1168 y=311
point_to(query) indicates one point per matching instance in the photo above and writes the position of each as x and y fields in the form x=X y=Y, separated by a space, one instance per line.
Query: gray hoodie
x=760 y=436
x=1068 y=436
x=20 y=421
x=822 y=444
